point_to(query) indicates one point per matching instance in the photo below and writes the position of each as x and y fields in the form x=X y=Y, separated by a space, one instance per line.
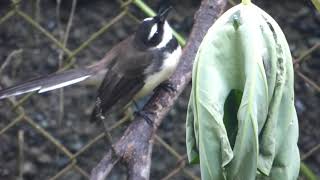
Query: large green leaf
x=241 y=121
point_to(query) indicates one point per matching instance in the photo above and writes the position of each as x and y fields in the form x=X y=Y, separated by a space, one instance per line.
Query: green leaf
x=316 y=3
x=241 y=121
x=282 y=113
x=191 y=132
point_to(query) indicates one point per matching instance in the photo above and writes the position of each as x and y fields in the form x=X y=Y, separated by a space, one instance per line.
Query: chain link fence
x=68 y=58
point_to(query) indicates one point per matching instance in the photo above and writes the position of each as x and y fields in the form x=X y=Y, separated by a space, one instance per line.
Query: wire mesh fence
x=68 y=58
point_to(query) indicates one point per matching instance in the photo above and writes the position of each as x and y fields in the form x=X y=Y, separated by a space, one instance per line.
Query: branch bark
x=135 y=146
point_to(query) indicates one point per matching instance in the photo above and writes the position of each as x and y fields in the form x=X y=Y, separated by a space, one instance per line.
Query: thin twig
x=44 y=31
x=308 y=80
x=82 y=172
x=58 y=16
x=168 y=147
x=7 y=16
x=70 y=21
x=100 y=136
x=36 y=17
x=48 y=136
x=9 y=58
x=176 y=154
x=310 y=152
x=175 y=171
x=94 y=36
x=104 y=167
x=14 y=4
x=42 y=131
x=306 y=53
x=60 y=91
x=61 y=54
x=21 y=154
x=63 y=171
x=11 y=124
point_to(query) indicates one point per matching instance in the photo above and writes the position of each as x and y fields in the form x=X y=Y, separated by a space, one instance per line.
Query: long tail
x=48 y=83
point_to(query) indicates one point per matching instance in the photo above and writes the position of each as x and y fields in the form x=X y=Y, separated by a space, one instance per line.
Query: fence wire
x=73 y=164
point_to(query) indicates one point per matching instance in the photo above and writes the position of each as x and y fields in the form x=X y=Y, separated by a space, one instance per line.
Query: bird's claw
x=167 y=86
x=145 y=116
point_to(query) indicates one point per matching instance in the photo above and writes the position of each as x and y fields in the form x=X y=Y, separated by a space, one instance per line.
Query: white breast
x=167 y=68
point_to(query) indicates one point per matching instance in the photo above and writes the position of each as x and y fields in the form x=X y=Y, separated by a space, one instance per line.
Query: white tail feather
x=67 y=83
x=22 y=92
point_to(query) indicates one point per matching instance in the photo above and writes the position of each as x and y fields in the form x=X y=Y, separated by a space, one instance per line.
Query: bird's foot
x=167 y=86
x=145 y=116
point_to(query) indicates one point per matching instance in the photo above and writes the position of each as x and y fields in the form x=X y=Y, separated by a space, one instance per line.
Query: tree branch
x=135 y=146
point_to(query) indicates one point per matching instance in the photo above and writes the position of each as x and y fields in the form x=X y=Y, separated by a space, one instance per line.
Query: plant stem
x=245 y=2
x=145 y=8
x=307 y=172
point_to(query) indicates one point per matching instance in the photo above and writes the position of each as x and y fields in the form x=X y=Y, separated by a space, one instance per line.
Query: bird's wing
x=115 y=93
x=48 y=83
x=121 y=83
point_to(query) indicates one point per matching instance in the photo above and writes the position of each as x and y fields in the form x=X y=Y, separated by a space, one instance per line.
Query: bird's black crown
x=151 y=31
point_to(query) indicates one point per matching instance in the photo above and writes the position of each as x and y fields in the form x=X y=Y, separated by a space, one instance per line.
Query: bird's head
x=154 y=32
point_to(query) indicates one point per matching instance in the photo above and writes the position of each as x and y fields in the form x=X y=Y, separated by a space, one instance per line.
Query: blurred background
x=48 y=136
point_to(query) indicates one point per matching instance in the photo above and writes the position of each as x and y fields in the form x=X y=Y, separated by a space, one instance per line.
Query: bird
x=133 y=68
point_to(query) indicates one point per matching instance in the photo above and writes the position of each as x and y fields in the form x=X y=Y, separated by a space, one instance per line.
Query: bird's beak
x=163 y=14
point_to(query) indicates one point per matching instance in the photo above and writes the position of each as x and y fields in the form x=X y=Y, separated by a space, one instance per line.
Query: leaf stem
x=307 y=172
x=245 y=2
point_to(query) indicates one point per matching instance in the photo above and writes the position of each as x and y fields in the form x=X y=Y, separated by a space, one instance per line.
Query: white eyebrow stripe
x=167 y=36
x=148 y=19
x=153 y=30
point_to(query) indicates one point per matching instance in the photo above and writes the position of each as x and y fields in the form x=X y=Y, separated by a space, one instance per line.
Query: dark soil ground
x=39 y=56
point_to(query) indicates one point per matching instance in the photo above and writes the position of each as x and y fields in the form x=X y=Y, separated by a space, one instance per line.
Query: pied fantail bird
x=134 y=67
